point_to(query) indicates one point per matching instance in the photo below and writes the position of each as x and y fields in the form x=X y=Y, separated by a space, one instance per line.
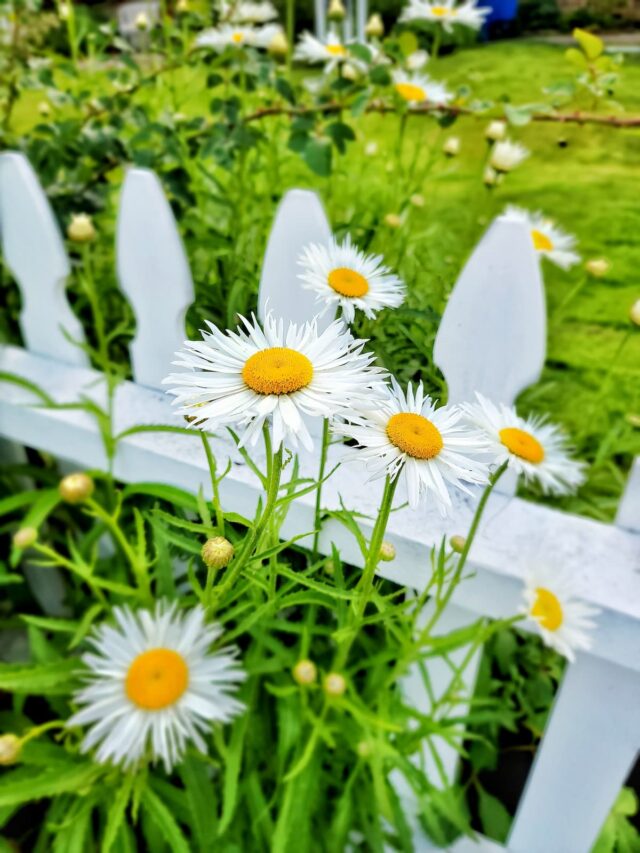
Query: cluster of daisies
x=245 y=24
x=154 y=682
x=447 y=14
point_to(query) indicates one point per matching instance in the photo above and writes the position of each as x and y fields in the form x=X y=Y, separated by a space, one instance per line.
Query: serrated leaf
x=52 y=679
x=19 y=787
x=202 y=798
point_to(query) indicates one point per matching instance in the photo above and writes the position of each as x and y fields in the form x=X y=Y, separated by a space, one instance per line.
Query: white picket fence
x=353 y=26
x=492 y=339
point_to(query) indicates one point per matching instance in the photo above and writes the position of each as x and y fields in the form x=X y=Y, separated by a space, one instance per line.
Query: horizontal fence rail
x=492 y=338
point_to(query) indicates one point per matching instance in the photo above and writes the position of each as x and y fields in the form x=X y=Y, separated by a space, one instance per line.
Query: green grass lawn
x=586 y=177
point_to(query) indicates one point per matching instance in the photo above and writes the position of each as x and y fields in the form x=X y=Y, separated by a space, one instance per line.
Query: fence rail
x=492 y=338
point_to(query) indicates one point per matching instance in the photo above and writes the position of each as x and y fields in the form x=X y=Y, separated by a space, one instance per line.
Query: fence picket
x=34 y=251
x=628 y=514
x=492 y=337
x=299 y=220
x=154 y=273
x=583 y=760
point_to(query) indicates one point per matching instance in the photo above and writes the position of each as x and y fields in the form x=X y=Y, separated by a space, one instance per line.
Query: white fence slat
x=300 y=220
x=628 y=514
x=492 y=337
x=154 y=273
x=585 y=755
x=34 y=251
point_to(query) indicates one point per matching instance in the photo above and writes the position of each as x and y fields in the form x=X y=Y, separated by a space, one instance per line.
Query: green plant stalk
x=453 y=583
x=326 y=435
x=252 y=539
x=436 y=43
x=139 y=567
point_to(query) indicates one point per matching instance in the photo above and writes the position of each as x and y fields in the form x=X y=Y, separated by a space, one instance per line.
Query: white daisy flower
x=547 y=238
x=507 y=155
x=446 y=13
x=420 y=89
x=251 y=376
x=155 y=686
x=342 y=275
x=563 y=620
x=248 y=12
x=237 y=36
x=534 y=448
x=331 y=51
x=433 y=449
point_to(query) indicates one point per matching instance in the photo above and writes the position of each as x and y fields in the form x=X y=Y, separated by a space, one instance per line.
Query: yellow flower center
x=157 y=679
x=440 y=11
x=237 y=37
x=411 y=92
x=540 y=241
x=414 y=435
x=348 y=282
x=522 y=444
x=547 y=609
x=336 y=50
x=278 y=370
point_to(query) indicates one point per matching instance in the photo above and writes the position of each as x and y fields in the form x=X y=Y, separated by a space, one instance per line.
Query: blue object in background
x=501 y=10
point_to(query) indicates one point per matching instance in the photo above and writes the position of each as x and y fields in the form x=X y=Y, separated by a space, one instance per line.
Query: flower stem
x=318 y=507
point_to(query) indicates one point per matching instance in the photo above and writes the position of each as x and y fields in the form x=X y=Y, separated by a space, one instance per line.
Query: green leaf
x=576 y=57
x=517 y=116
x=202 y=801
x=19 y=787
x=233 y=764
x=408 y=42
x=591 y=44
x=317 y=156
x=163 y=819
x=54 y=679
x=116 y=813
x=496 y=820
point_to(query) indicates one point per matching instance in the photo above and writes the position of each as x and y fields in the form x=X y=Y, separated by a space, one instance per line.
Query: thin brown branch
x=330 y=107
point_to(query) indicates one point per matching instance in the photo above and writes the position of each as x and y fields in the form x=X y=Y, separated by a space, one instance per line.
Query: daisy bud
x=278 y=46
x=217 y=552
x=452 y=146
x=387 y=552
x=334 y=684
x=633 y=420
x=64 y=11
x=76 y=488
x=364 y=749
x=393 y=220
x=81 y=228
x=10 y=747
x=457 y=543
x=349 y=72
x=182 y=6
x=371 y=149
x=304 y=672
x=141 y=21
x=25 y=537
x=495 y=131
x=330 y=567
x=44 y=108
x=417 y=200
x=634 y=313
x=375 y=26
x=597 y=267
x=336 y=11
x=417 y=60
x=490 y=177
